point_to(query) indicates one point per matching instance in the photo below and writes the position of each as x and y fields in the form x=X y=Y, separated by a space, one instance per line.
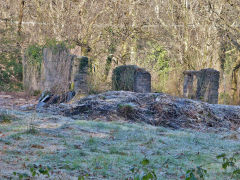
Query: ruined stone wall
x=58 y=72
x=207 y=85
x=131 y=78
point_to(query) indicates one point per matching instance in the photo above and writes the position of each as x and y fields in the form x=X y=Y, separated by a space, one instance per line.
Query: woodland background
x=166 y=37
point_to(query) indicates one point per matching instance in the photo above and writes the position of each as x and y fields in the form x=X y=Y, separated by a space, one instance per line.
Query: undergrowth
x=7 y=118
x=10 y=61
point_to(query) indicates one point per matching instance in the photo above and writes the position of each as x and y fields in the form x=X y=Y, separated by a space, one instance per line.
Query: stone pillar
x=207 y=86
x=131 y=78
x=56 y=69
x=81 y=72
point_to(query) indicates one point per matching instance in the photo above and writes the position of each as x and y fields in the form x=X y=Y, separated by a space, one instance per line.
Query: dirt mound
x=153 y=108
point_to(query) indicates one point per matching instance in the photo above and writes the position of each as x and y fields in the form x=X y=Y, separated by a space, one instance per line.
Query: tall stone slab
x=131 y=78
x=56 y=69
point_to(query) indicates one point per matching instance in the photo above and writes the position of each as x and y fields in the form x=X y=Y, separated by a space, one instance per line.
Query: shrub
x=228 y=161
x=10 y=62
x=7 y=118
x=143 y=171
x=34 y=54
x=126 y=110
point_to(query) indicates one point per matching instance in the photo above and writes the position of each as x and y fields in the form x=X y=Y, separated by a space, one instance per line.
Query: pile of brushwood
x=153 y=108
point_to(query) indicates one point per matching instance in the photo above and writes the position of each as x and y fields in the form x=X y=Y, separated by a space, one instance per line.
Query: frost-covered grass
x=106 y=150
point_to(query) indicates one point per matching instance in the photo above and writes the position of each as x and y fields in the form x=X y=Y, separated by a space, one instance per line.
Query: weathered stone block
x=207 y=85
x=131 y=78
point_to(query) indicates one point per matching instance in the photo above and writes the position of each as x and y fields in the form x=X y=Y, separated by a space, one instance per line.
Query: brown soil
x=14 y=100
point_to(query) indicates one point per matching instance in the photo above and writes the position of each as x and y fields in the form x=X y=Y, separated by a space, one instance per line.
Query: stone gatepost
x=207 y=85
x=81 y=71
x=131 y=78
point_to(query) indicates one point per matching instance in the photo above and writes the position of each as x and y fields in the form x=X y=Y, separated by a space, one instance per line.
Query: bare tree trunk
x=20 y=17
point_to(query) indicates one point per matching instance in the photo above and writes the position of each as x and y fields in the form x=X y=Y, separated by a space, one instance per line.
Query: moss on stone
x=84 y=62
x=55 y=45
x=123 y=77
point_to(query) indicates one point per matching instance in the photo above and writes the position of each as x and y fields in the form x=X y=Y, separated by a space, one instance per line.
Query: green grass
x=6 y=118
x=107 y=150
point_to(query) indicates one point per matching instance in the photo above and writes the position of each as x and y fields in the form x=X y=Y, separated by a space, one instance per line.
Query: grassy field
x=105 y=150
